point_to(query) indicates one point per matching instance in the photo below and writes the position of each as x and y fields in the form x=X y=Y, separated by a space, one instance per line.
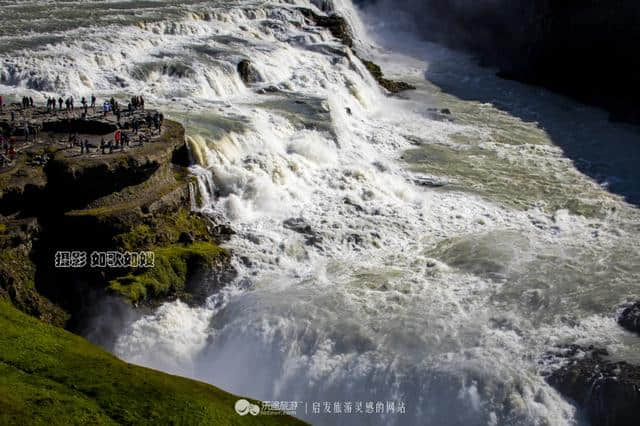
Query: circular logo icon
x=244 y=407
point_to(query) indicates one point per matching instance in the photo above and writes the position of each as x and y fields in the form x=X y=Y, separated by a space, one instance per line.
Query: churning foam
x=354 y=282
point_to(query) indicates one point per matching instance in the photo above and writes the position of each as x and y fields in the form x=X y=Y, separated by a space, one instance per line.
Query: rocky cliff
x=55 y=199
x=584 y=48
x=130 y=201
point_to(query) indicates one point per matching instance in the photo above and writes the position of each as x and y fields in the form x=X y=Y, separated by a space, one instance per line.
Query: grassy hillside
x=50 y=376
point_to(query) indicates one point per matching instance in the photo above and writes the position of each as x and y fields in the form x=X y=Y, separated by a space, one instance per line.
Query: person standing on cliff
x=93 y=102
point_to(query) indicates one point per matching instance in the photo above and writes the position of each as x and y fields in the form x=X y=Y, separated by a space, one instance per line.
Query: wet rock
x=358 y=207
x=391 y=85
x=203 y=282
x=608 y=392
x=300 y=226
x=248 y=73
x=313 y=240
x=445 y=111
x=429 y=183
x=379 y=166
x=181 y=156
x=629 y=318
x=337 y=25
x=254 y=239
x=414 y=140
x=223 y=232
x=268 y=89
x=336 y=52
x=355 y=239
x=244 y=67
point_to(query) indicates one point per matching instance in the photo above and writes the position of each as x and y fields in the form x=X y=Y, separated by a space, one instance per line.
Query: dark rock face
x=336 y=24
x=629 y=318
x=186 y=238
x=607 y=392
x=390 y=85
x=584 y=48
x=340 y=29
x=181 y=156
x=247 y=72
x=127 y=202
x=300 y=226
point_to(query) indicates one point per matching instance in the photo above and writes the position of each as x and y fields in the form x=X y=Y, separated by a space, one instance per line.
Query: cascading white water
x=356 y=282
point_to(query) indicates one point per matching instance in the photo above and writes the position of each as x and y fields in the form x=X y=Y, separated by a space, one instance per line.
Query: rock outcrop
x=607 y=392
x=130 y=201
x=584 y=48
x=248 y=74
x=629 y=317
x=391 y=85
x=340 y=29
x=337 y=25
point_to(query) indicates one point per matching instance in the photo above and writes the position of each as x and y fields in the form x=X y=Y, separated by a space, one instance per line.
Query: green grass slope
x=49 y=376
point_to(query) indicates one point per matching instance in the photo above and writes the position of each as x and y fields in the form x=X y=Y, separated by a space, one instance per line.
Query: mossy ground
x=169 y=273
x=50 y=376
x=174 y=261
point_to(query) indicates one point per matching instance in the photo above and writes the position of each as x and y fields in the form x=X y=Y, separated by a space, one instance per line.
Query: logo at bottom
x=244 y=407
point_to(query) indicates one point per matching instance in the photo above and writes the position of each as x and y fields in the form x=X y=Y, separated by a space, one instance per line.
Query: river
x=424 y=251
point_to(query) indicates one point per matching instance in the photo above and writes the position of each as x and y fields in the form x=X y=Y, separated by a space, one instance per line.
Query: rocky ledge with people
x=65 y=193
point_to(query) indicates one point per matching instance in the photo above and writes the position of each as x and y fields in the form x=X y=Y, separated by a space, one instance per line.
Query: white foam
x=387 y=290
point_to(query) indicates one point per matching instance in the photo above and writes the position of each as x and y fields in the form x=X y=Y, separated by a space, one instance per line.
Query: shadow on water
x=606 y=151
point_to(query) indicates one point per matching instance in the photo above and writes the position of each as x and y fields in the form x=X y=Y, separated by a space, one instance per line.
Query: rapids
x=445 y=254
